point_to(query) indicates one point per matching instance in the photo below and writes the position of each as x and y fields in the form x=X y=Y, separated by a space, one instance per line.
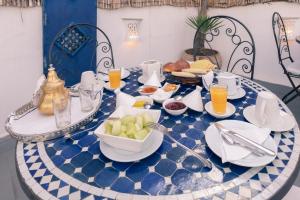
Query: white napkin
x=236 y=152
x=122 y=72
x=124 y=99
x=207 y=79
x=193 y=100
x=37 y=91
x=153 y=80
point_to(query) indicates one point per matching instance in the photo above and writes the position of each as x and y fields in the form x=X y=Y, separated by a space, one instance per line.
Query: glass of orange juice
x=114 y=78
x=218 y=94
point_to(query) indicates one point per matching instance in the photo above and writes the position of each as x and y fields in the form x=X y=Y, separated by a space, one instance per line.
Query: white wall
x=164 y=35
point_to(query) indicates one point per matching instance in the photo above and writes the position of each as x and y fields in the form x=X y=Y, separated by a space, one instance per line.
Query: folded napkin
x=193 y=100
x=124 y=99
x=154 y=80
x=37 y=91
x=237 y=152
x=122 y=72
x=207 y=79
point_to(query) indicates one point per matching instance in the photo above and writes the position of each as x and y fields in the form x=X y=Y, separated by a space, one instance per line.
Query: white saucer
x=213 y=141
x=230 y=110
x=105 y=77
x=286 y=122
x=120 y=155
x=107 y=86
x=239 y=94
x=142 y=80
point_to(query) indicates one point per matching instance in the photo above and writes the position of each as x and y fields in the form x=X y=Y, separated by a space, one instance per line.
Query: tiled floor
x=10 y=188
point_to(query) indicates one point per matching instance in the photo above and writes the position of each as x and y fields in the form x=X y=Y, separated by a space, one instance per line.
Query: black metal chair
x=78 y=41
x=290 y=67
x=241 y=58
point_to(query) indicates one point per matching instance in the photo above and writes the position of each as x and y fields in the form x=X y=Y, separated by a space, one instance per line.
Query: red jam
x=175 y=106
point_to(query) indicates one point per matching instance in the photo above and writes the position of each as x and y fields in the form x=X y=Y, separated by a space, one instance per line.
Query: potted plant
x=205 y=24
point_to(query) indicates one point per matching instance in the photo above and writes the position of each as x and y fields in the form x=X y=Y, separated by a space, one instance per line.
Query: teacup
x=232 y=81
x=149 y=67
x=267 y=109
x=88 y=79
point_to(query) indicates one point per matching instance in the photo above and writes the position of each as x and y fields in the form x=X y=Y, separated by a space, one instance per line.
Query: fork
x=165 y=131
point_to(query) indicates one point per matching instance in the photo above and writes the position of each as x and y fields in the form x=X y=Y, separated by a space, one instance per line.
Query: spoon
x=147 y=105
x=177 y=98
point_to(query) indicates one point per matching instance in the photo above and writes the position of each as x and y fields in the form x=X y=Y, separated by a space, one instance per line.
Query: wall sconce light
x=132 y=27
x=289 y=23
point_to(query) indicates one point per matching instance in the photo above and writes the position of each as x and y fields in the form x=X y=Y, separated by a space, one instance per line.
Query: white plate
x=104 y=77
x=142 y=80
x=107 y=86
x=286 y=122
x=230 y=110
x=213 y=141
x=239 y=94
x=119 y=155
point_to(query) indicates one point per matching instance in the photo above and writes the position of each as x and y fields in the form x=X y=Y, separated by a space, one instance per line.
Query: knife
x=244 y=141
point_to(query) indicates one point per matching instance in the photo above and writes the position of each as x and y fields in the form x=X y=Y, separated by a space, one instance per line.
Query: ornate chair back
x=234 y=35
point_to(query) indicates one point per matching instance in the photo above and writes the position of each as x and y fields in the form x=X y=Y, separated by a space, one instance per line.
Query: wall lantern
x=132 y=27
x=289 y=23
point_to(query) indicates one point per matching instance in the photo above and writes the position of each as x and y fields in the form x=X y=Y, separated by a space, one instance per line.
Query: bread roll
x=182 y=64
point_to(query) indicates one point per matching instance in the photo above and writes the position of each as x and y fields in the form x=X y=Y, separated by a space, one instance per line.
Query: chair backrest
x=241 y=59
x=281 y=39
x=75 y=38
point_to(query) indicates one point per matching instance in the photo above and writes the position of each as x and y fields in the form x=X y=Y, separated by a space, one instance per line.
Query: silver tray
x=28 y=113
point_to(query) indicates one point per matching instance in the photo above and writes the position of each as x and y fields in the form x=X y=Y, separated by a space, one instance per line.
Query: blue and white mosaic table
x=74 y=168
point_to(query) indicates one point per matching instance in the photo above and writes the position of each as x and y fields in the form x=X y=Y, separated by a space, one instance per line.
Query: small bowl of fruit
x=126 y=128
x=174 y=107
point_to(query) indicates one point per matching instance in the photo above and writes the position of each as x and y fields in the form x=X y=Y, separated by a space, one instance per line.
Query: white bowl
x=140 y=90
x=160 y=95
x=127 y=144
x=174 y=112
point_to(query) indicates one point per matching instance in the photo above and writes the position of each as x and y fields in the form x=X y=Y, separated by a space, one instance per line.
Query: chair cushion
x=294 y=68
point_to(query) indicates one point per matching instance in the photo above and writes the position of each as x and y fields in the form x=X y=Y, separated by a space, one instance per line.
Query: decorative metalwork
x=243 y=53
x=71 y=41
x=284 y=54
x=72 y=38
x=281 y=39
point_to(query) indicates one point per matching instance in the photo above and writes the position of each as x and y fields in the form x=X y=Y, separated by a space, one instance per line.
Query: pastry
x=184 y=74
x=196 y=70
x=170 y=87
x=204 y=64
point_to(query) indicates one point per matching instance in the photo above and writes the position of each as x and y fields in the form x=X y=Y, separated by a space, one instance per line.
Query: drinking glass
x=114 y=78
x=62 y=111
x=86 y=96
x=218 y=93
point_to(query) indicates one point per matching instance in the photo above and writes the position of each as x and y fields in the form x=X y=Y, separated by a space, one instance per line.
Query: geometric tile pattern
x=74 y=168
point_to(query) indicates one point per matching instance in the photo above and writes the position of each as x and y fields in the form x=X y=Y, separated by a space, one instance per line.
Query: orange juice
x=114 y=78
x=218 y=95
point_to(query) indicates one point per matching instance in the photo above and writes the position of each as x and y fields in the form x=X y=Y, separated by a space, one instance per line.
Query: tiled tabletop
x=74 y=168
